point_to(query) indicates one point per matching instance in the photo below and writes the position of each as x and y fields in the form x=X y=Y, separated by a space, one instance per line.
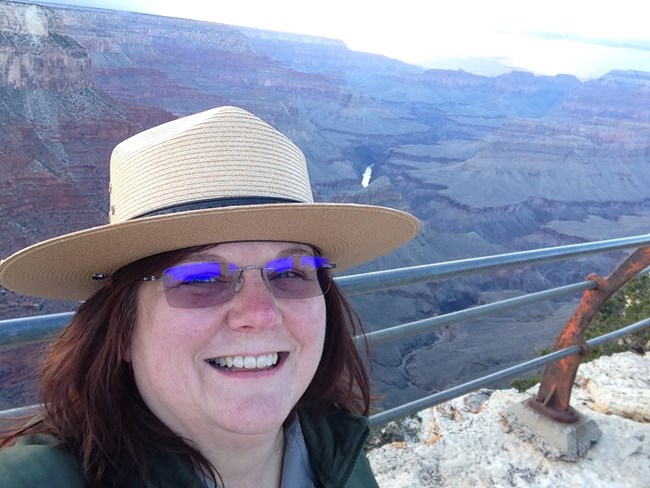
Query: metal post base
x=556 y=440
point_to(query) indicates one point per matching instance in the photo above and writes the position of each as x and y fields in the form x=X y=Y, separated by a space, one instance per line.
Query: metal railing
x=40 y=328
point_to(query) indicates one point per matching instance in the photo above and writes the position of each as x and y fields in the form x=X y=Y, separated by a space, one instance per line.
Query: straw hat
x=217 y=176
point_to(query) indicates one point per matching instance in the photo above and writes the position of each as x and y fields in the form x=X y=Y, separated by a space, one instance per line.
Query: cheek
x=312 y=329
x=160 y=338
x=160 y=359
x=166 y=340
x=154 y=341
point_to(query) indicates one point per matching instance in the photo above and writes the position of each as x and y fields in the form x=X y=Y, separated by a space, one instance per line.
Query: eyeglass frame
x=237 y=283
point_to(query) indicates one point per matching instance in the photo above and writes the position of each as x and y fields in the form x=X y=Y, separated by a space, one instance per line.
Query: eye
x=204 y=278
x=286 y=269
x=195 y=274
x=290 y=273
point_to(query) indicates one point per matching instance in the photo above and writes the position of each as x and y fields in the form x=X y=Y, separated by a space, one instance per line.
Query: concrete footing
x=555 y=439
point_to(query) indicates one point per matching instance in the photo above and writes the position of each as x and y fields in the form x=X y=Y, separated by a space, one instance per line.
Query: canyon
x=489 y=165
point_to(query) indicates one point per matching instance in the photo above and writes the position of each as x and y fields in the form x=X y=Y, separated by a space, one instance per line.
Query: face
x=178 y=354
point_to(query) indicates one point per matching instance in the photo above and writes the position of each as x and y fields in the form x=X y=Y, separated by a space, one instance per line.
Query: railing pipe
x=13 y=331
x=425 y=325
x=416 y=406
x=33 y=329
x=24 y=330
x=378 y=280
x=20 y=412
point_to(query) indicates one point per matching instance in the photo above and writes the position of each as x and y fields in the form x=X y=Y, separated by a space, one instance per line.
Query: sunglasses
x=204 y=284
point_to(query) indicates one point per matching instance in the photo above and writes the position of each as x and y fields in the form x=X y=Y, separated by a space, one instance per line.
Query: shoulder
x=335 y=442
x=362 y=475
x=335 y=426
x=38 y=461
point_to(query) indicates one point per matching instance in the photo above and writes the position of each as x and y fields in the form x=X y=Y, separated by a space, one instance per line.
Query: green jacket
x=334 y=442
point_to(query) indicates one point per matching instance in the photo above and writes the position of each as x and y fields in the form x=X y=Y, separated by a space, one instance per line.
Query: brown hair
x=92 y=404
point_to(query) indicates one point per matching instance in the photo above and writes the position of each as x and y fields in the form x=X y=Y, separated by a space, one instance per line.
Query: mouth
x=262 y=362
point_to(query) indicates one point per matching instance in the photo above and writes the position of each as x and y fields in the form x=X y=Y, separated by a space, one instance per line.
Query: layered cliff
x=57 y=134
x=33 y=53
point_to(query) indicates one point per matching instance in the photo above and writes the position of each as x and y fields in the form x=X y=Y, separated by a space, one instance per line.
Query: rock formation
x=473 y=441
x=33 y=53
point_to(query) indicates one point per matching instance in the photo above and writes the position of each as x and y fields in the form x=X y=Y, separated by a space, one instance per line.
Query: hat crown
x=205 y=160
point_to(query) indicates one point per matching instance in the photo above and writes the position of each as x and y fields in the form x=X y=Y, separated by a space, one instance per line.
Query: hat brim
x=62 y=267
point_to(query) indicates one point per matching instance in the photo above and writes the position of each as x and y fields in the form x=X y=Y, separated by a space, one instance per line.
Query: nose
x=253 y=307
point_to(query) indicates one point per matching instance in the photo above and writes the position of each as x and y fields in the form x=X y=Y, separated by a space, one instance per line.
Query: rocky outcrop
x=56 y=138
x=34 y=54
x=474 y=441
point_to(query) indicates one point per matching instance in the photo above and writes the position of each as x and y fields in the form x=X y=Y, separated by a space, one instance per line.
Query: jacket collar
x=334 y=442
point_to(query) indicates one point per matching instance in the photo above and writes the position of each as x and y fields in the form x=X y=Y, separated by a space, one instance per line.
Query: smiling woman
x=173 y=352
x=212 y=347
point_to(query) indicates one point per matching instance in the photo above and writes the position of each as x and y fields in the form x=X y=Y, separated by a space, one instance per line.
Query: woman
x=212 y=347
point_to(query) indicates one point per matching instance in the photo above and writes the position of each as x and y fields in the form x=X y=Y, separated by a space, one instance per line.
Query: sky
x=585 y=38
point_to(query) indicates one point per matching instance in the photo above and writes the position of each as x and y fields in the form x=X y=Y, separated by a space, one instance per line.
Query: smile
x=262 y=361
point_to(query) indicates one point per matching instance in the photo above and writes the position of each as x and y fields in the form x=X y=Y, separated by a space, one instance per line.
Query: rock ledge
x=473 y=441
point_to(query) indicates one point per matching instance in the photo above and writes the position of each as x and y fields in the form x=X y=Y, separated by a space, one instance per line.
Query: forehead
x=251 y=250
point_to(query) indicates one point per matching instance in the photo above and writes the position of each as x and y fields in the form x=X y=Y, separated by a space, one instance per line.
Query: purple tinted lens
x=298 y=277
x=315 y=262
x=205 y=284
x=299 y=263
x=201 y=272
x=280 y=265
x=197 y=285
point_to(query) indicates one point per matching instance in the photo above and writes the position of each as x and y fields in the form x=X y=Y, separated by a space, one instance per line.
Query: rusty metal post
x=554 y=394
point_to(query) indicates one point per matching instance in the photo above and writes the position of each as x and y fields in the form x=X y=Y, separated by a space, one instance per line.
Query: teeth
x=247 y=362
x=260 y=362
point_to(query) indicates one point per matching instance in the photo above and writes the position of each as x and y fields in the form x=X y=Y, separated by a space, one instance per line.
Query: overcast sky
x=586 y=38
